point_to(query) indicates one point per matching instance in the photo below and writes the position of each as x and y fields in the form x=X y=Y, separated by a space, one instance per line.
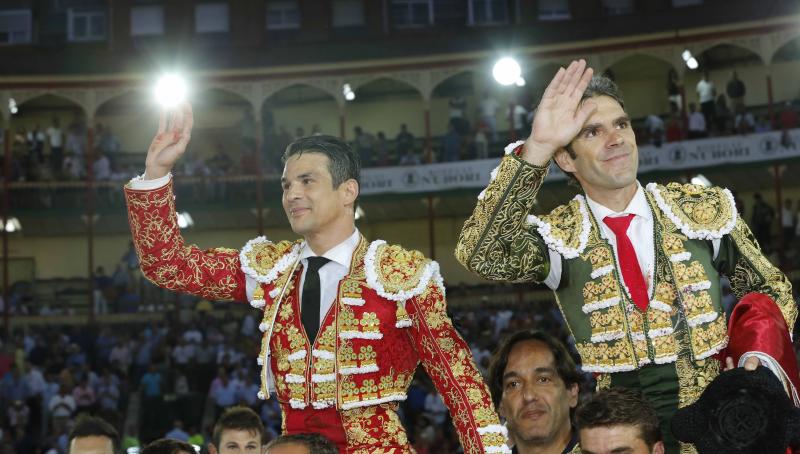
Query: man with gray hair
x=635 y=269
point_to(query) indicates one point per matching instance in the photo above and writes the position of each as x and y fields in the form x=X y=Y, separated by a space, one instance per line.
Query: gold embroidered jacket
x=389 y=316
x=502 y=241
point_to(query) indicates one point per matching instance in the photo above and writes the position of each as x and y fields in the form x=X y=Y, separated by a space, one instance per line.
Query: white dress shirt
x=330 y=273
x=640 y=232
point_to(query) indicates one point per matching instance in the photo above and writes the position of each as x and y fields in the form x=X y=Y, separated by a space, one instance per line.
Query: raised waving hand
x=169 y=142
x=560 y=114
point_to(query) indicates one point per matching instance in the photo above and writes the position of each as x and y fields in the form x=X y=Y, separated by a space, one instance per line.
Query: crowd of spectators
x=55 y=153
x=715 y=114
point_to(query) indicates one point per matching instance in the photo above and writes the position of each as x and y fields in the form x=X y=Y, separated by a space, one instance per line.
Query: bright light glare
x=686 y=55
x=359 y=213
x=692 y=63
x=13 y=225
x=701 y=180
x=170 y=90
x=12 y=106
x=185 y=220
x=348 y=92
x=520 y=82
x=506 y=71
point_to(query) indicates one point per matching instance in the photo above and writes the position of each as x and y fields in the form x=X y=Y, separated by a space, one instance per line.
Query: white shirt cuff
x=140 y=184
x=770 y=363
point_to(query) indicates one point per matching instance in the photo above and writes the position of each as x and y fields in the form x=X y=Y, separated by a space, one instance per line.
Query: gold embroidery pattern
x=375 y=429
x=754 y=273
x=637 y=330
x=698 y=207
x=264 y=255
x=495 y=242
x=324 y=366
x=607 y=323
x=607 y=356
x=399 y=269
x=693 y=273
x=566 y=224
x=167 y=261
x=595 y=292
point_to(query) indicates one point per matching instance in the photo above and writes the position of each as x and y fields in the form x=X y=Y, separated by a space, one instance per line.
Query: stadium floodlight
x=11 y=226
x=185 y=220
x=506 y=71
x=348 y=93
x=520 y=82
x=171 y=90
x=692 y=63
x=12 y=106
x=686 y=55
x=701 y=180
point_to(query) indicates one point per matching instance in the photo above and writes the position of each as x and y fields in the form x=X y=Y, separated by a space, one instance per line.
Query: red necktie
x=628 y=263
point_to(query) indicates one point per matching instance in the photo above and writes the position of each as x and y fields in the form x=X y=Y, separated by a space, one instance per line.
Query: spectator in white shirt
x=61 y=407
x=707 y=94
x=655 y=129
x=744 y=122
x=56 y=138
x=102 y=168
x=697 y=123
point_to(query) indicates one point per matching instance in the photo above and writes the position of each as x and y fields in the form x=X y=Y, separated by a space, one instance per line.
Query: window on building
x=681 y=3
x=211 y=18
x=283 y=15
x=617 y=7
x=15 y=26
x=554 y=10
x=86 y=24
x=147 y=20
x=488 y=12
x=348 y=13
x=412 y=13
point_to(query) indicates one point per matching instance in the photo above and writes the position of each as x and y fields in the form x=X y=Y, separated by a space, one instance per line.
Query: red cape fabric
x=757 y=325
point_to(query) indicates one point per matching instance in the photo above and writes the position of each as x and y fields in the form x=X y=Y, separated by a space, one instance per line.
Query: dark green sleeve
x=740 y=258
x=496 y=242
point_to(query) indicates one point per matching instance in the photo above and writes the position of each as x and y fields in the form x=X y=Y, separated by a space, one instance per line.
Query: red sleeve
x=167 y=261
x=757 y=325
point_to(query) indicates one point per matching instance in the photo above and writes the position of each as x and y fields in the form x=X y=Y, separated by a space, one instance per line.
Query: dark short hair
x=237 y=418
x=92 y=426
x=343 y=163
x=565 y=366
x=598 y=86
x=620 y=407
x=166 y=446
x=316 y=443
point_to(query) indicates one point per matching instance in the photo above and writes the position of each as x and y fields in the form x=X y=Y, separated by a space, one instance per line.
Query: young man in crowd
x=92 y=435
x=619 y=421
x=535 y=386
x=238 y=431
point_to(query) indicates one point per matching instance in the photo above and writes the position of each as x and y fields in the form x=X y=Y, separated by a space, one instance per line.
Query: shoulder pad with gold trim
x=398 y=274
x=699 y=212
x=264 y=260
x=566 y=228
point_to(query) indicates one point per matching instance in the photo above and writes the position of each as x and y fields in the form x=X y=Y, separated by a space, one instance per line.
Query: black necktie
x=309 y=312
